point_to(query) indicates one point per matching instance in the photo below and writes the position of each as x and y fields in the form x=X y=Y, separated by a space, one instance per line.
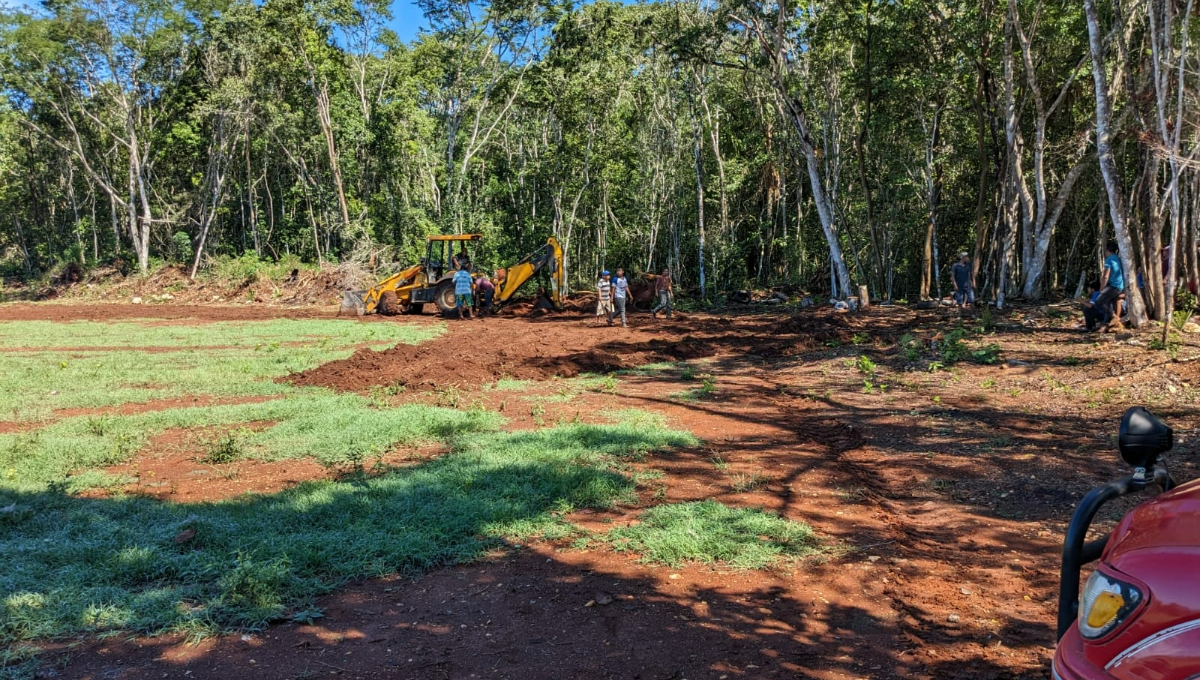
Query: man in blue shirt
x=1112 y=284
x=1094 y=316
x=462 y=290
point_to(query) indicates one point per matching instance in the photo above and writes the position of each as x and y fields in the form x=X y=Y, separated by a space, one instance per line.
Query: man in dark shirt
x=462 y=260
x=964 y=286
x=485 y=290
x=664 y=290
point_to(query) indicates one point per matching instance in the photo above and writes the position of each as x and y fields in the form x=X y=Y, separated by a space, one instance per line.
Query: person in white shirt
x=620 y=287
x=604 y=302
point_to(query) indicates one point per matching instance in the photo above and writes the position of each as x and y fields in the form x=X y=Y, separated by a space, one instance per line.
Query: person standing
x=462 y=291
x=964 y=285
x=664 y=290
x=604 y=293
x=620 y=294
x=485 y=290
x=1112 y=284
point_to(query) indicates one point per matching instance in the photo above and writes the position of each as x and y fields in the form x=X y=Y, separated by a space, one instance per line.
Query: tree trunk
x=1108 y=167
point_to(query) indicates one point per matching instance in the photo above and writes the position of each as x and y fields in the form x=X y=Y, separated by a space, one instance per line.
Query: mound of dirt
x=475 y=354
x=170 y=284
x=565 y=344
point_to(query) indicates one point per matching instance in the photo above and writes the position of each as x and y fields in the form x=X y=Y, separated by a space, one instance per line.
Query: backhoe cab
x=431 y=281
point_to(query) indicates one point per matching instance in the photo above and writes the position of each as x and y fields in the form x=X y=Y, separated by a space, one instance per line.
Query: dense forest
x=824 y=145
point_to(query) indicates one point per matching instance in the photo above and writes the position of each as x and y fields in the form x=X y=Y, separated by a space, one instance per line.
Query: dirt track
x=945 y=495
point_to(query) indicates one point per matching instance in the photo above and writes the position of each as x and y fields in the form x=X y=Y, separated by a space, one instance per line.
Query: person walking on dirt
x=1112 y=284
x=604 y=292
x=462 y=291
x=485 y=290
x=664 y=290
x=964 y=285
x=620 y=294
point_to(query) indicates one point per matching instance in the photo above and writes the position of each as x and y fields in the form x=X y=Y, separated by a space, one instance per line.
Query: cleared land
x=740 y=495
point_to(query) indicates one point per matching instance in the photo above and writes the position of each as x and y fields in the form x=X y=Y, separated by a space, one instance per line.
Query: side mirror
x=1143 y=438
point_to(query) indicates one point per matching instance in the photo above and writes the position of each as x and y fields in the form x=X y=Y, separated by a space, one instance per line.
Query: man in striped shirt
x=604 y=292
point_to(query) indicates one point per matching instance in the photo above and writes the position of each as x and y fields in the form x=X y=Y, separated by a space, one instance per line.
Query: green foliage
x=225 y=450
x=709 y=532
x=1186 y=301
x=181 y=244
x=954 y=349
x=865 y=365
x=1171 y=346
x=911 y=347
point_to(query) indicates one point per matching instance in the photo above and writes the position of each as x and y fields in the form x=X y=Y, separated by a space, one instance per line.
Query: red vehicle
x=1138 y=615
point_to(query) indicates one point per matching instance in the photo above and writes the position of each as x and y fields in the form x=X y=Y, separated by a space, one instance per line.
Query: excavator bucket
x=353 y=302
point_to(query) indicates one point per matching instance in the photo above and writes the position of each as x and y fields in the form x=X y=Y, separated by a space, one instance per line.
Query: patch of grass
x=333 y=429
x=226 y=449
x=19 y=662
x=511 y=385
x=648 y=369
x=718 y=462
x=86 y=565
x=687 y=373
x=709 y=532
x=636 y=418
x=742 y=482
x=95 y=365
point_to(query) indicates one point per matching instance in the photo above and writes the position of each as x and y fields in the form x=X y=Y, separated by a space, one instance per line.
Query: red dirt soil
x=481 y=351
x=942 y=495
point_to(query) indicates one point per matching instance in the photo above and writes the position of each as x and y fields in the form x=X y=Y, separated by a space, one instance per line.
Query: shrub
x=181 y=247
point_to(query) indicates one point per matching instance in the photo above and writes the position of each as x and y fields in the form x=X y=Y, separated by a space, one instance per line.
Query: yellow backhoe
x=430 y=281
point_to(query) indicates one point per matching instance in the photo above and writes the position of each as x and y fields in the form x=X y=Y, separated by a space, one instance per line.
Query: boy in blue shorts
x=462 y=290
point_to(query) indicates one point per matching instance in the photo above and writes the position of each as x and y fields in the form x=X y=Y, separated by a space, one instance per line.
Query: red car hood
x=1166 y=521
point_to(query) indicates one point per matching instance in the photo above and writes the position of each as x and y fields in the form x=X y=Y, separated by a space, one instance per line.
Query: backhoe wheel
x=388 y=304
x=445 y=298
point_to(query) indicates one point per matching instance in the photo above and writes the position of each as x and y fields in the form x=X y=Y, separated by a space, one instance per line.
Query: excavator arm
x=549 y=258
x=367 y=301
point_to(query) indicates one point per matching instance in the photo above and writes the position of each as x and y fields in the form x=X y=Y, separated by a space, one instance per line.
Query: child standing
x=620 y=294
x=604 y=292
x=462 y=291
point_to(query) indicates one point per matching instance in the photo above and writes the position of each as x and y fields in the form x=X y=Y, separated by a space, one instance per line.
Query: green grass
x=650 y=369
x=86 y=565
x=332 y=429
x=511 y=385
x=75 y=565
x=709 y=532
x=219 y=359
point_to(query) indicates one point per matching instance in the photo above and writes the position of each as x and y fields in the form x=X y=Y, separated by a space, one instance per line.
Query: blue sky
x=407 y=18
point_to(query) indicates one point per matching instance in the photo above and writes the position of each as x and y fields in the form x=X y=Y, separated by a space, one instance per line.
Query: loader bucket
x=353 y=302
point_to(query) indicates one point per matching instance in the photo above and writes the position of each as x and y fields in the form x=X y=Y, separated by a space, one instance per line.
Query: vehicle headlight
x=1104 y=604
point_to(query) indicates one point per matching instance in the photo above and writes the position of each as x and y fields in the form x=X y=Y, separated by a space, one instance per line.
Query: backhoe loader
x=430 y=281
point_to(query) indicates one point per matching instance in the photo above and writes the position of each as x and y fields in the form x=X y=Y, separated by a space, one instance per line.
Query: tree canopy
x=823 y=145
